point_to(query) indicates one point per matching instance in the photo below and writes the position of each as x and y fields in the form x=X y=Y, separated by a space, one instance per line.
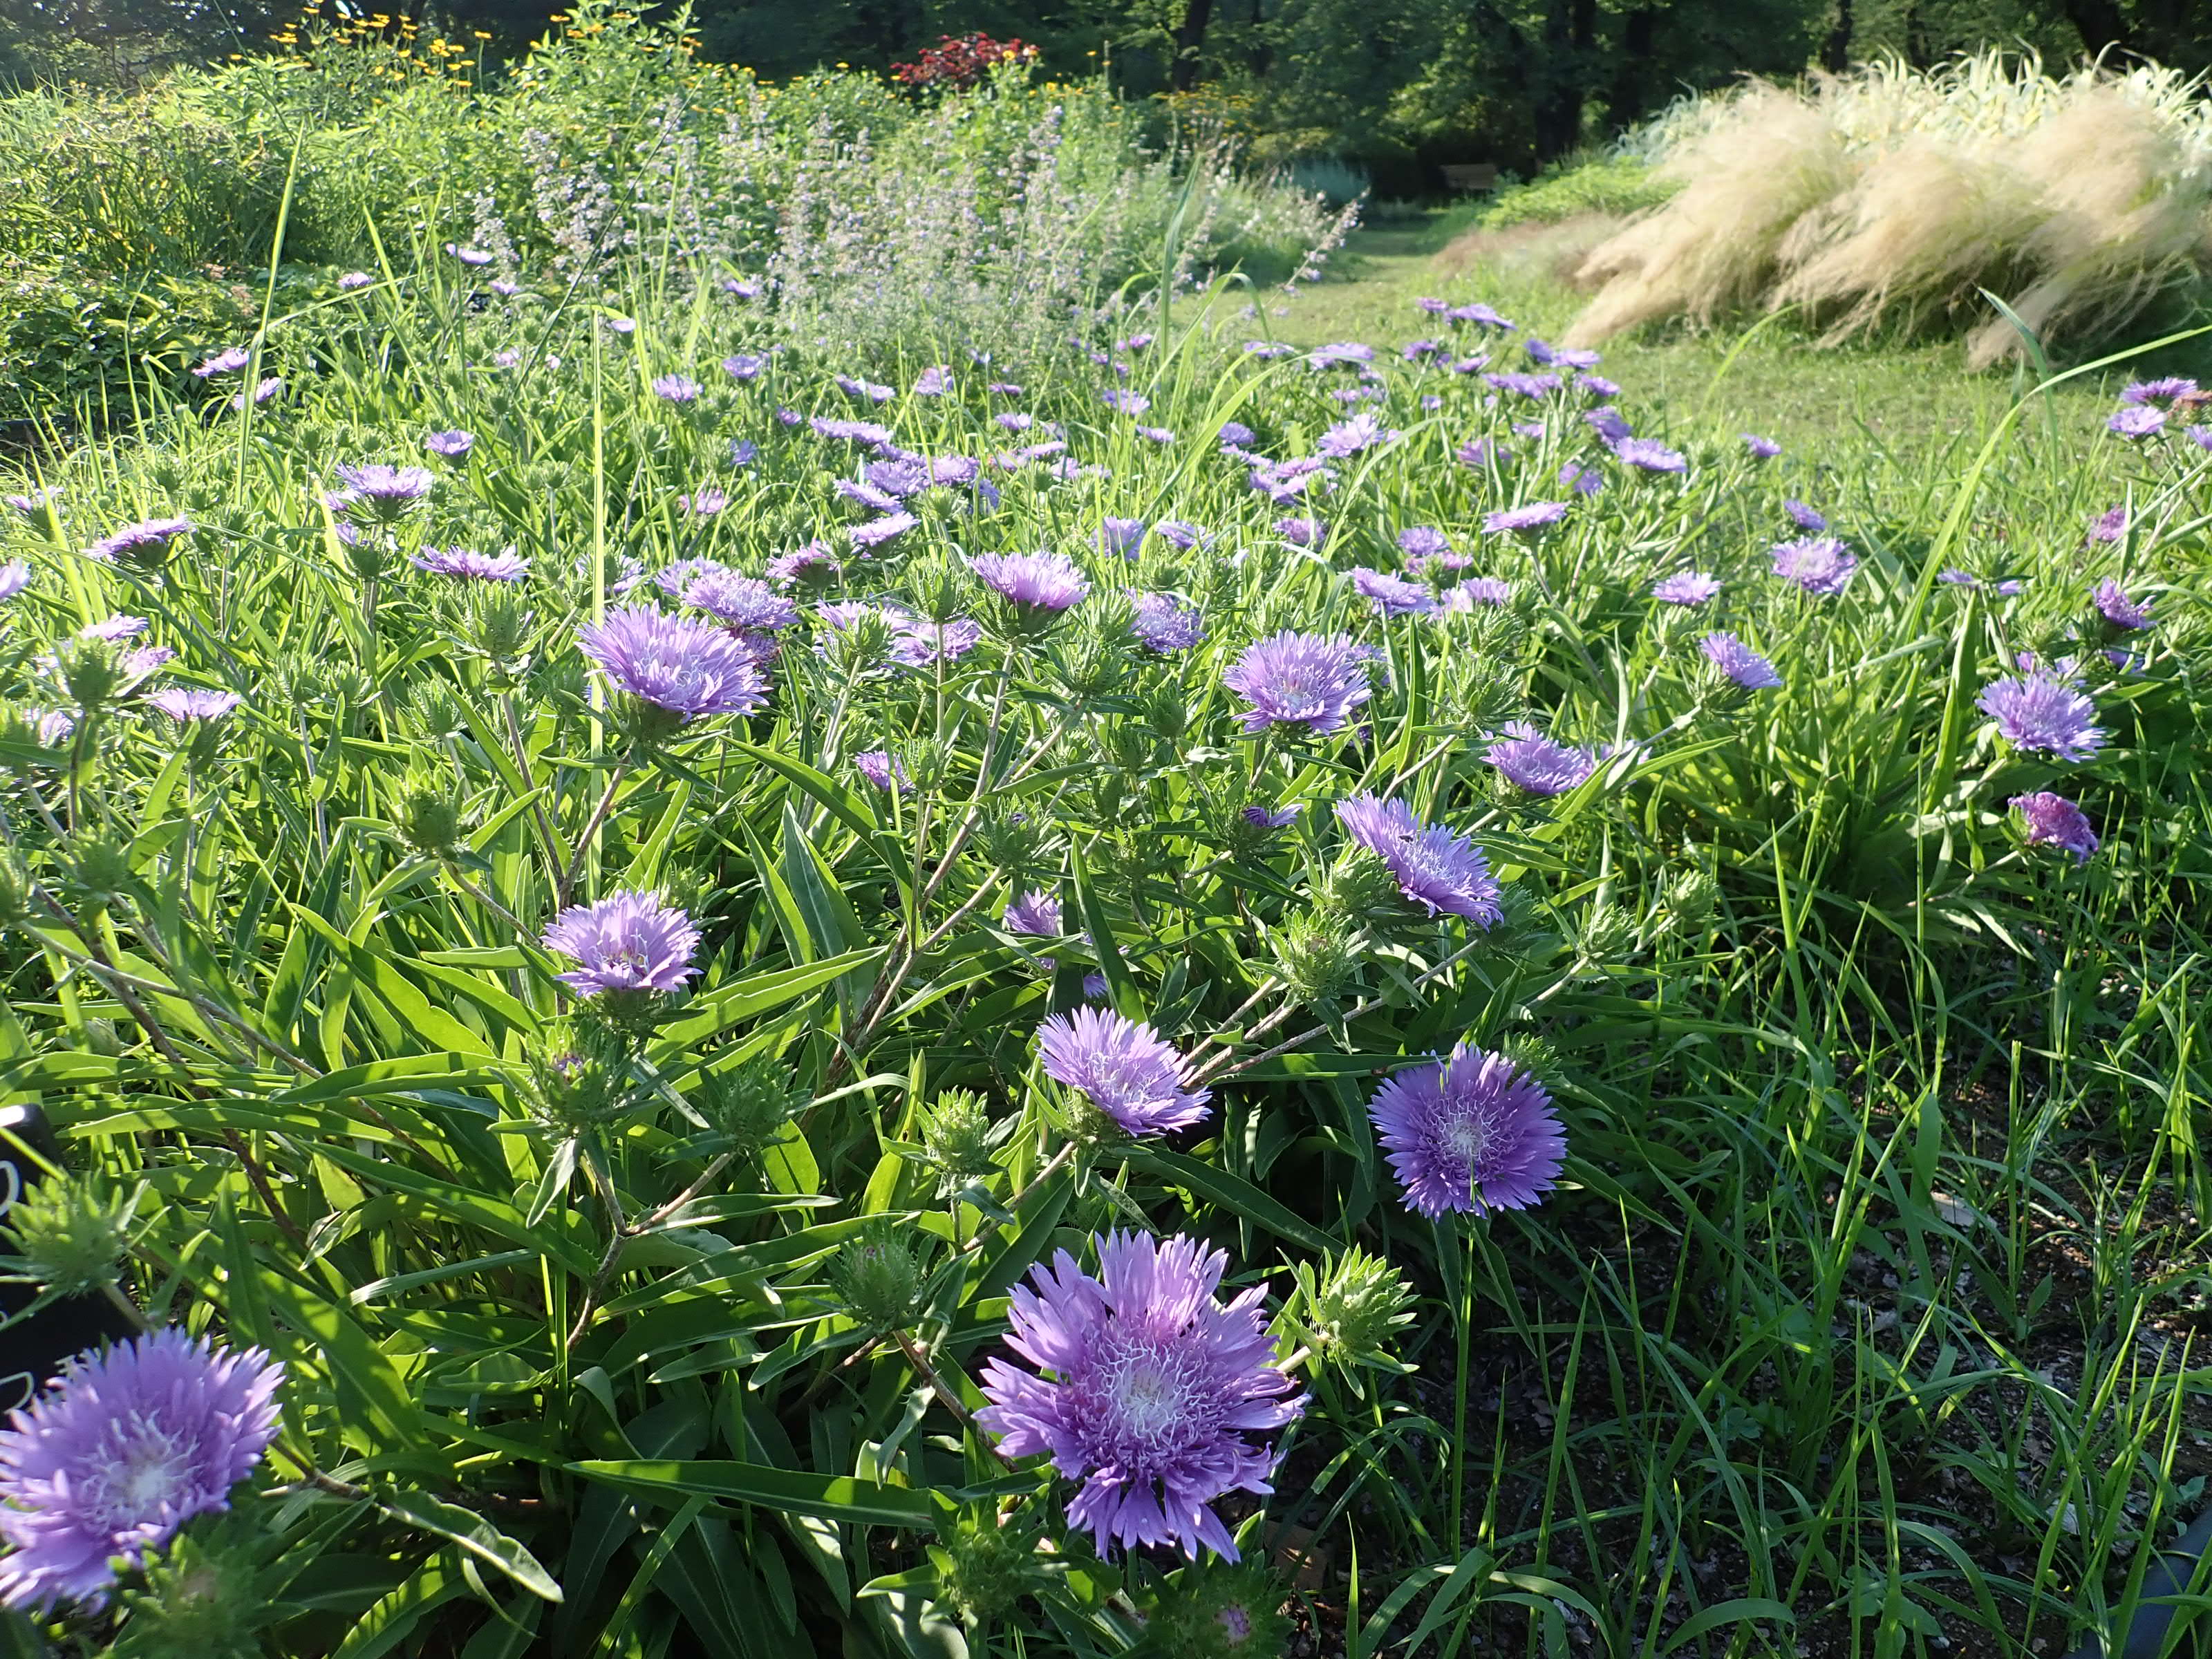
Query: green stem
x=1464 y=1317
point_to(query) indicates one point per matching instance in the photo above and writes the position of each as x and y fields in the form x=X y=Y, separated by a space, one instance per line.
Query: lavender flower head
x=934 y=381
x=15 y=577
x=354 y=281
x=148 y=538
x=1532 y=515
x=389 y=492
x=119 y=1452
x=2055 y=821
x=1471 y=1134
x=876 y=531
x=1739 y=662
x=1423 y=542
x=2159 y=391
x=2110 y=525
x=1363 y=431
x=1685 y=587
x=1036 y=912
x=2137 y=420
x=626 y=942
x=1125 y=401
x=1534 y=763
x=1434 y=868
x=1302 y=533
x=744 y=602
x=922 y=643
x=745 y=365
x=1034 y=581
x=1146 y=1388
x=1818 y=564
x=1804 y=517
x=1123 y=1069
x=1274 y=817
x=2035 y=711
x=677 y=389
x=187 y=704
x=1649 y=455
x=228 y=361
x=1479 y=590
x=1315 y=680
x=1392 y=596
x=1762 y=449
x=688 y=668
x=2114 y=605
x=507 y=566
x=452 y=444
x=1121 y=536
x=1165 y=623
x=883 y=769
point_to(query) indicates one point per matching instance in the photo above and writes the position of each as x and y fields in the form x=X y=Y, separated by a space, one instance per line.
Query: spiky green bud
x=1219 y=1612
x=70 y=1233
x=427 y=818
x=878 y=1274
x=957 y=1135
x=198 y=1598
x=746 y=1105
x=984 y=1566
x=1314 y=956
x=1353 y=1309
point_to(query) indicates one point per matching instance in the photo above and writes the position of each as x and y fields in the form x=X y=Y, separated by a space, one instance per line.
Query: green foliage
x=1590 y=184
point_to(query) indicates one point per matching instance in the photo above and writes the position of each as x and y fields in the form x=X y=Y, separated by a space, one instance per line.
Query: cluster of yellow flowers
x=401 y=35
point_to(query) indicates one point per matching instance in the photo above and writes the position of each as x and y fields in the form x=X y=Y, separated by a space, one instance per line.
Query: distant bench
x=1467 y=176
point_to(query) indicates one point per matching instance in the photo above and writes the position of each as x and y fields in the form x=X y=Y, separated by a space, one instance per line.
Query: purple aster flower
x=1471 y=364
x=1818 y=564
x=1414 y=350
x=1392 y=596
x=1473 y=1134
x=38 y=504
x=452 y=444
x=1482 y=316
x=1523 y=385
x=1123 y=1069
x=1539 y=350
x=387 y=491
x=1423 y=542
x=1014 y=420
x=1534 y=763
x=868 y=389
x=815 y=563
x=1236 y=432
x=1479 y=452
x=867 y=494
x=1804 y=517
x=689 y=668
x=925 y=643
x=1531 y=515
x=2159 y=391
x=15 y=577
x=1957 y=579
x=1608 y=425
x=702 y=503
x=1146 y=1388
x=1302 y=533
x=1582 y=480
x=138 y=664
x=1003 y=389
x=1649 y=455
x=2110 y=525
x=2114 y=605
x=1121 y=536
x=1157 y=434
x=744 y=602
x=1739 y=662
x=851 y=432
x=2201 y=436
x=1181 y=532
x=228 y=361
x=877 y=532
x=504 y=288
x=2036 y=711
x=119 y=1452
x=1594 y=386
x=1165 y=623
x=354 y=280
x=1479 y=590
x=115 y=628
x=677 y=389
x=1034 y=581
x=955 y=471
x=184 y=704
x=1126 y=402
x=745 y=365
x=1344 y=353
x=1314 y=680
x=2056 y=820
x=621 y=325
x=744 y=452
x=626 y=942
x=1685 y=587
x=1435 y=307
x=1762 y=449
x=1274 y=818
x=1435 y=867
x=883 y=769
x=743 y=287
x=897 y=476
x=148 y=538
x=1036 y=912
x=934 y=382
x=2137 y=420
x=468 y=256
x=507 y=566
x=1534 y=431
x=1363 y=431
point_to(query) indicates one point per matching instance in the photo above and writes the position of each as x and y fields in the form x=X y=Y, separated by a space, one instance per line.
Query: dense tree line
x=1397 y=84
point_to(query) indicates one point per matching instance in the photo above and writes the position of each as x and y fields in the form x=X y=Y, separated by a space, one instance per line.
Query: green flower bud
x=1314 y=955
x=936 y=587
x=198 y=1597
x=70 y=1233
x=1354 y=1311
x=91 y=671
x=878 y=1276
x=747 y=1105
x=1218 y=1612
x=434 y=712
x=498 y=628
x=984 y=1567
x=858 y=646
x=579 y=1076
x=1359 y=887
x=367 y=554
x=101 y=873
x=958 y=1137
x=1688 y=896
x=426 y=818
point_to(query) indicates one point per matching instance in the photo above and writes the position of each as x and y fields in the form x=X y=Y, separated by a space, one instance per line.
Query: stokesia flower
x=676 y=388
x=1685 y=587
x=1434 y=867
x=452 y=444
x=1534 y=763
x=626 y=942
x=1818 y=564
x=15 y=577
x=1471 y=1134
x=1479 y=590
x=1121 y=536
x=745 y=365
x=119 y=1452
x=1423 y=542
x=689 y=668
x=507 y=566
x=1125 y=401
x=1363 y=431
x=1804 y=517
x=387 y=491
x=934 y=381
x=2114 y=605
x=1165 y=623
x=1762 y=449
x=185 y=704
x=1302 y=533
x=922 y=643
x=1739 y=662
x=148 y=538
x=263 y=392
x=1146 y=1388
x=2137 y=420
x=1314 y=680
x=876 y=531
x=738 y=601
x=1392 y=596
x=1035 y=581
x=1036 y=912
x=2036 y=711
x=228 y=361
x=883 y=769
x=2054 y=820
x=1532 y=515
x=1649 y=455
x=1123 y=1068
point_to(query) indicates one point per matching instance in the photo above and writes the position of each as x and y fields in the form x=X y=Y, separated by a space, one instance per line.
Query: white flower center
x=1151 y=1399
x=1466 y=1139
x=147 y=1474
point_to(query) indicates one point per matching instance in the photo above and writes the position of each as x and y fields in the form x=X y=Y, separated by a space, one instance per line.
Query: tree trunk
x=2100 y=25
x=1558 y=111
x=1835 y=50
x=1189 y=36
x=1627 y=98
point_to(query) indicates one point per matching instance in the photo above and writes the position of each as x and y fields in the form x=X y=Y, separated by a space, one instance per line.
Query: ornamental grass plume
x=1146 y=1388
x=1434 y=867
x=628 y=941
x=1124 y=1068
x=119 y=1452
x=1471 y=1134
x=1313 y=680
x=688 y=668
